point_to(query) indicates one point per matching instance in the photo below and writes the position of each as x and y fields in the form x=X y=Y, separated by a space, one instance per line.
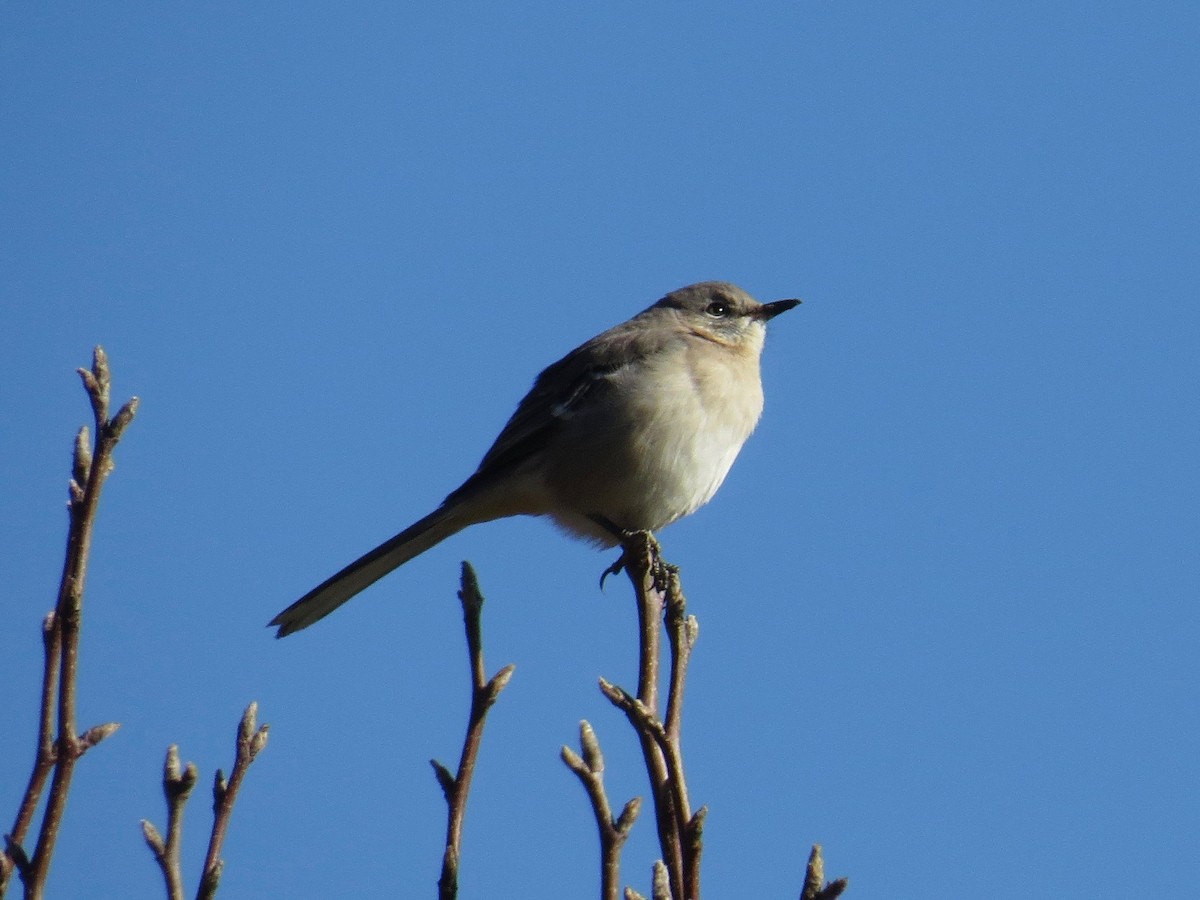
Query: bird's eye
x=717 y=309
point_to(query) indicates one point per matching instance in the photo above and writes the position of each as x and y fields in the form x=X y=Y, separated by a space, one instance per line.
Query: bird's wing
x=573 y=383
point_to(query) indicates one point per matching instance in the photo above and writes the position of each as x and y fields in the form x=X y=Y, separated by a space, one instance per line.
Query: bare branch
x=251 y=739
x=14 y=856
x=815 y=886
x=682 y=631
x=56 y=756
x=92 y=461
x=613 y=832
x=642 y=563
x=177 y=785
x=484 y=694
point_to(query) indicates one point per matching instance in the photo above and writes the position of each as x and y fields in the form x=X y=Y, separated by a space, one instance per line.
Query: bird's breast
x=660 y=441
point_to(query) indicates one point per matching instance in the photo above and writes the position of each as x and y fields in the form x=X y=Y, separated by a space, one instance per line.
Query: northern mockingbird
x=628 y=432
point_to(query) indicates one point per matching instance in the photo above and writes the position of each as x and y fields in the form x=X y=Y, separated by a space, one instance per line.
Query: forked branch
x=57 y=754
x=177 y=786
x=815 y=885
x=613 y=831
x=484 y=693
x=660 y=601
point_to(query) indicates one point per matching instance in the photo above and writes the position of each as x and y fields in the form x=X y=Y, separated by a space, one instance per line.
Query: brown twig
x=613 y=832
x=682 y=632
x=177 y=785
x=660 y=597
x=251 y=739
x=815 y=886
x=484 y=693
x=658 y=593
x=56 y=757
x=43 y=764
x=646 y=571
x=683 y=824
x=657 y=589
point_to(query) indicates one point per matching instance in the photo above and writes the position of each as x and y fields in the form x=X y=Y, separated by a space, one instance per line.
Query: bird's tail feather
x=366 y=570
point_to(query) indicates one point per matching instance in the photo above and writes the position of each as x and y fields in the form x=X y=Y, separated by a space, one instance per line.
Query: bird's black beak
x=768 y=311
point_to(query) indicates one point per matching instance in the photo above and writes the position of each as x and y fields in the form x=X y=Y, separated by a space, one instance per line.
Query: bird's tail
x=366 y=570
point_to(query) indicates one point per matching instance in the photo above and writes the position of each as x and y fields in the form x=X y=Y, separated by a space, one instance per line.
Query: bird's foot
x=636 y=546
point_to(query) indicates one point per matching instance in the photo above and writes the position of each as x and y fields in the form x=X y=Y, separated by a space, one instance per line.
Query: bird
x=629 y=432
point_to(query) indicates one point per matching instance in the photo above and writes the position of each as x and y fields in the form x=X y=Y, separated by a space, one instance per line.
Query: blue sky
x=948 y=595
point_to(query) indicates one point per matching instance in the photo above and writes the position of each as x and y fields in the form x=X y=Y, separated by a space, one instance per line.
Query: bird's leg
x=659 y=570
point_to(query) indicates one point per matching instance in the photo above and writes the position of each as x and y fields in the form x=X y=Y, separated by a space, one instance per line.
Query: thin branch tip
x=628 y=816
x=190 y=776
x=591 y=747
x=82 y=460
x=125 y=414
x=815 y=887
x=469 y=582
x=444 y=778
x=259 y=741
x=247 y=724
x=98 y=733
x=153 y=838
x=661 y=881
x=501 y=679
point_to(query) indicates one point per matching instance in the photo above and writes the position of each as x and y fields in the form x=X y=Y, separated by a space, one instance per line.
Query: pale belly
x=640 y=462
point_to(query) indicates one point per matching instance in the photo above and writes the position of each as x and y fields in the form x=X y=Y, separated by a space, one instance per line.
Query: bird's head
x=724 y=313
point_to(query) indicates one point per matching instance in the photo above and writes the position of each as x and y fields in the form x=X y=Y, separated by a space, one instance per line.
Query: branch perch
x=661 y=603
x=658 y=593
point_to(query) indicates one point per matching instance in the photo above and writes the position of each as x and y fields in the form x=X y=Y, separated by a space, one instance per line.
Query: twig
x=682 y=632
x=675 y=786
x=177 y=785
x=660 y=596
x=815 y=886
x=645 y=569
x=483 y=694
x=657 y=589
x=14 y=856
x=613 y=832
x=56 y=758
x=250 y=741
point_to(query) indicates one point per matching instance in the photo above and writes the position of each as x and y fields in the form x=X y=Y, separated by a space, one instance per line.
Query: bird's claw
x=616 y=568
